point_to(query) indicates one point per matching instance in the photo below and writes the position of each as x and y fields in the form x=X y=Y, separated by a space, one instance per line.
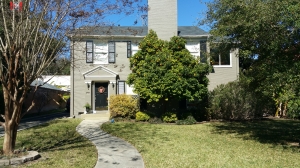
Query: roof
x=44 y=85
x=137 y=31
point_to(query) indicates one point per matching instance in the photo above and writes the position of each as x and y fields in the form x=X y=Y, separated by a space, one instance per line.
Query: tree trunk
x=10 y=137
x=13 y=111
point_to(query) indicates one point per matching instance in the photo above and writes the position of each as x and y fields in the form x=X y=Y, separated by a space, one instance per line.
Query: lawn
x=269 y=143
x=59 y=145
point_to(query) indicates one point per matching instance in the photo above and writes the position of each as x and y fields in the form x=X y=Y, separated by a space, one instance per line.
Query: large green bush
x=234 y=101
x=122 y=106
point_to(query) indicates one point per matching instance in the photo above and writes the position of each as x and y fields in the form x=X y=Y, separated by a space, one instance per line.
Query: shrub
x=169 y=117
x=234 y=101
x=293 y=108
x=188 y=121
x=140 y=116
x=122 y=106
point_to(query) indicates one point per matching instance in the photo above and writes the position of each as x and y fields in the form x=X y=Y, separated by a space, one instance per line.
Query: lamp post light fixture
x=113 y=85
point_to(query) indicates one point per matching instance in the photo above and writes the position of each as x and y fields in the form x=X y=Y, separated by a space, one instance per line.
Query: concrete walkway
x=113 y=152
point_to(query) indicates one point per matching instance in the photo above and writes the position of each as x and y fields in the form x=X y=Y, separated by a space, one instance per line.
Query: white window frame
x=225 y=66
x=123 y=89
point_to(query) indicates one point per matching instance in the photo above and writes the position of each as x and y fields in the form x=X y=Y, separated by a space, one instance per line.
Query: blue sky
x=189 y=13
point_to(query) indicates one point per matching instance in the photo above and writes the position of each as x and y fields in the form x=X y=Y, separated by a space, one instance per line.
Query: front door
x=101 y=95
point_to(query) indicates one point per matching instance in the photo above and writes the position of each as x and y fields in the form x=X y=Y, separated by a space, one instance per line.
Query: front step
x=96 y=116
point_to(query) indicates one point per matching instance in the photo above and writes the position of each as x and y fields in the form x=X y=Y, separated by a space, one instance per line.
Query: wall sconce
x=113 y=85
x=88 y=85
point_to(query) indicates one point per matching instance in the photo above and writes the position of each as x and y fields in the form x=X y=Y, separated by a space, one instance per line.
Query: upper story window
x=220 y=57
x=193 y=47
x=100 y=55
x=134 y=48
x=104 y=52
x=198 y=49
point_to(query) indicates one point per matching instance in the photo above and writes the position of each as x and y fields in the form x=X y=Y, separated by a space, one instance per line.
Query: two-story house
x=100 y=56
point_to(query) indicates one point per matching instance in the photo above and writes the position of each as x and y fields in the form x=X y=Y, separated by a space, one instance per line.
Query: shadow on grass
x=53 y=135
x=137 y=132
x=272 y=131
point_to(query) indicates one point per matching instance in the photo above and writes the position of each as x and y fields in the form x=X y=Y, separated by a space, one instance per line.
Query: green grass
x=59 y=145
x=271 y=143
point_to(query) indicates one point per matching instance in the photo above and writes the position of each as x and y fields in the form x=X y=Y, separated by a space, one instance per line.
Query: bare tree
x=32 y=35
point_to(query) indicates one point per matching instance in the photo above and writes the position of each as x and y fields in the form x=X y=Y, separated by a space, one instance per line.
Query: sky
x=189 y=13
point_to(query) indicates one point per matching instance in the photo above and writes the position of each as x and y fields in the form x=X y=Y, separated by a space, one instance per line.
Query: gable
x=100 y=71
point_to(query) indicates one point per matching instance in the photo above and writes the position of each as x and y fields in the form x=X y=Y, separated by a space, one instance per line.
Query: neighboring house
x=63 y=81
x=100 y=62
x=47 y=97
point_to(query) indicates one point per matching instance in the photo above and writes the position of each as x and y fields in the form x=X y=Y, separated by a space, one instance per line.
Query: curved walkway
x=113 y=152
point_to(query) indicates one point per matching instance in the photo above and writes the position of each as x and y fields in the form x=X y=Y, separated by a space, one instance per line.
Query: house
x=100 y=62
x=63 y=81
x=46 y=97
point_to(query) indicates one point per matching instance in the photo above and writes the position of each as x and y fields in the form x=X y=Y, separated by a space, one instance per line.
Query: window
x=220 y=57
x=134 y=48
x=203 y=52
x=89 y=52
x=193 y=48
x=100 y=55
x=111 y=52
x=121 y=87
x=128 y=49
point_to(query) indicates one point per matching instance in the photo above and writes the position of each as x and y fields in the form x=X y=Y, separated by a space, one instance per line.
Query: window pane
x=214 y=56
x=192 y=46
x=121 y=85
x=225 y=58
x=89 y=57
x=100 y=58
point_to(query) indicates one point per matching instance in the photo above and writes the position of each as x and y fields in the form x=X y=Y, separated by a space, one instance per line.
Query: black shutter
x=89 y=52
x=128 y=49
x=111 y=52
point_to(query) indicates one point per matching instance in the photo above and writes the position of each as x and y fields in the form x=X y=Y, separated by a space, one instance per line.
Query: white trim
x=109 y=36
x=225 y=66
x=194 y=36
x=100 y=67
x=222 y=66
x=107 y=76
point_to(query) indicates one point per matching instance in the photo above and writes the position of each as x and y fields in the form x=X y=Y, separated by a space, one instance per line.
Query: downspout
x=72 y=76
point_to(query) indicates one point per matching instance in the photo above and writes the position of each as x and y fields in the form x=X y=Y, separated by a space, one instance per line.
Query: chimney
x=162 y=18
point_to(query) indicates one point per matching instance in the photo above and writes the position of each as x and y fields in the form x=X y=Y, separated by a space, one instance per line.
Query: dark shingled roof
x=136 y=31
